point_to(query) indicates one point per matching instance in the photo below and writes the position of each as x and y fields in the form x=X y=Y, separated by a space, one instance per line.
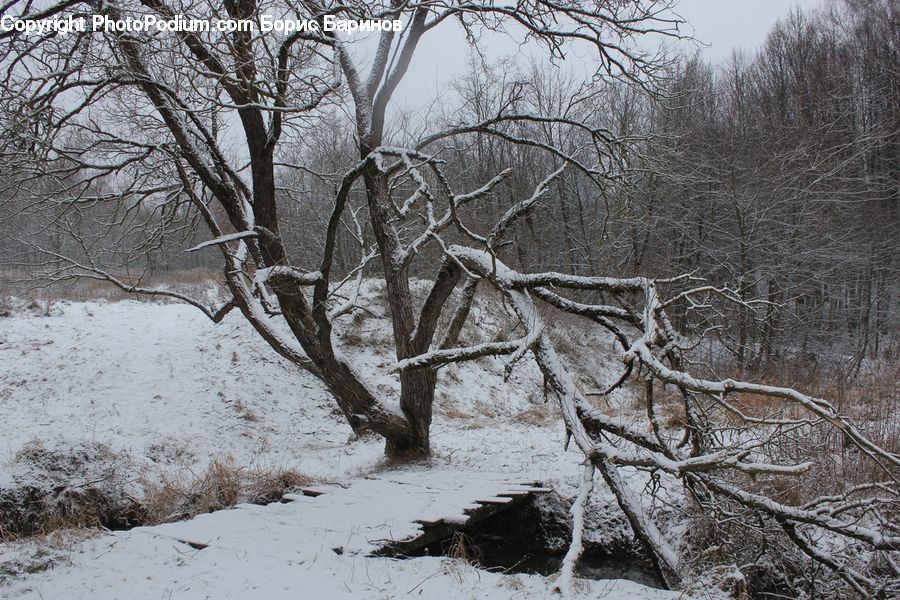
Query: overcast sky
x=722 y=24
x=729 y=24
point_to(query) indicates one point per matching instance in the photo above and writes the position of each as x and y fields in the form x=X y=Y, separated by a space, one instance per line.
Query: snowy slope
x=155 y=381
x=167 y=391
x=162 y=384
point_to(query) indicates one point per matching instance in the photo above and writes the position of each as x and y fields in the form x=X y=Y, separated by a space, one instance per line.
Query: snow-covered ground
x=166 y=391
x=308 y=548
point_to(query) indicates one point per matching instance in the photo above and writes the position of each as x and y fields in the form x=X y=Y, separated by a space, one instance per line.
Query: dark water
x=518 y=541
x=531 y=556
x=613 y=567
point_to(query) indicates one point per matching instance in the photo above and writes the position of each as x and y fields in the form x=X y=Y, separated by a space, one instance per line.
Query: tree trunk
x=416 y=387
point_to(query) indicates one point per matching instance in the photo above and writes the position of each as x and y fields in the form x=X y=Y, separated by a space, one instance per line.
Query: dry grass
x=466 y=420
x=30 y=513
x=354 y=331
x=221 y=486
x=870 y=402
x=564 y=341
x=88 y=488
x=83 y=486
x=6 y=309
x=23 y=284
x=461 y=548
x=486 y=410
x=245 y=412
x=537 y=414
x=455 y=413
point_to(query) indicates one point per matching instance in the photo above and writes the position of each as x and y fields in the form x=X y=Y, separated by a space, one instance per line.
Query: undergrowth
x=89 y=487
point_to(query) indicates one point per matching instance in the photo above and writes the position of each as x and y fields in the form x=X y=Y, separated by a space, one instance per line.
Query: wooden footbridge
x=388 y=514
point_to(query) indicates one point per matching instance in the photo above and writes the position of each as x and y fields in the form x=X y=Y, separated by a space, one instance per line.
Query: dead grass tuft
x=245 y=412
x=83 y=486
x=462 y=548
x=223 y=485
x=354 y=336
x=537 y=414
x=455 y=413
x=486 y=410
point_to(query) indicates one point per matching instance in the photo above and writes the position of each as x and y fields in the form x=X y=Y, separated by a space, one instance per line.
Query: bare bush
x=83 y=486
x=222 y=485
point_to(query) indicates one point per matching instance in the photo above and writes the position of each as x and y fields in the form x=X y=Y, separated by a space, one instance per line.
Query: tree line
x=777 y=174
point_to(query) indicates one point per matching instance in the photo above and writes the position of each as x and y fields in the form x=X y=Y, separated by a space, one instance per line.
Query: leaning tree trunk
x=416 y=387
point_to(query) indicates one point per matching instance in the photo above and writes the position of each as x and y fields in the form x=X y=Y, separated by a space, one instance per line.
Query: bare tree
x=146 y=110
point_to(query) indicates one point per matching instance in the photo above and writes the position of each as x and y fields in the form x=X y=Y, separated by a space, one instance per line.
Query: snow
x=155 y=381
x=310 y=548
x=223 y=239
x=294 y=274
x=142 y=564
x=358 y=518
x=169 y=391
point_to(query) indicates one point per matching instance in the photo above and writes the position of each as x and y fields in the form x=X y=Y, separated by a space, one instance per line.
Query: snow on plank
x=388 y=514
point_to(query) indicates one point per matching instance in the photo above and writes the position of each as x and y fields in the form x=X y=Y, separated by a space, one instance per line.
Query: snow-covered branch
x=280 y=275
x=446 y=356
x=612 y=445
